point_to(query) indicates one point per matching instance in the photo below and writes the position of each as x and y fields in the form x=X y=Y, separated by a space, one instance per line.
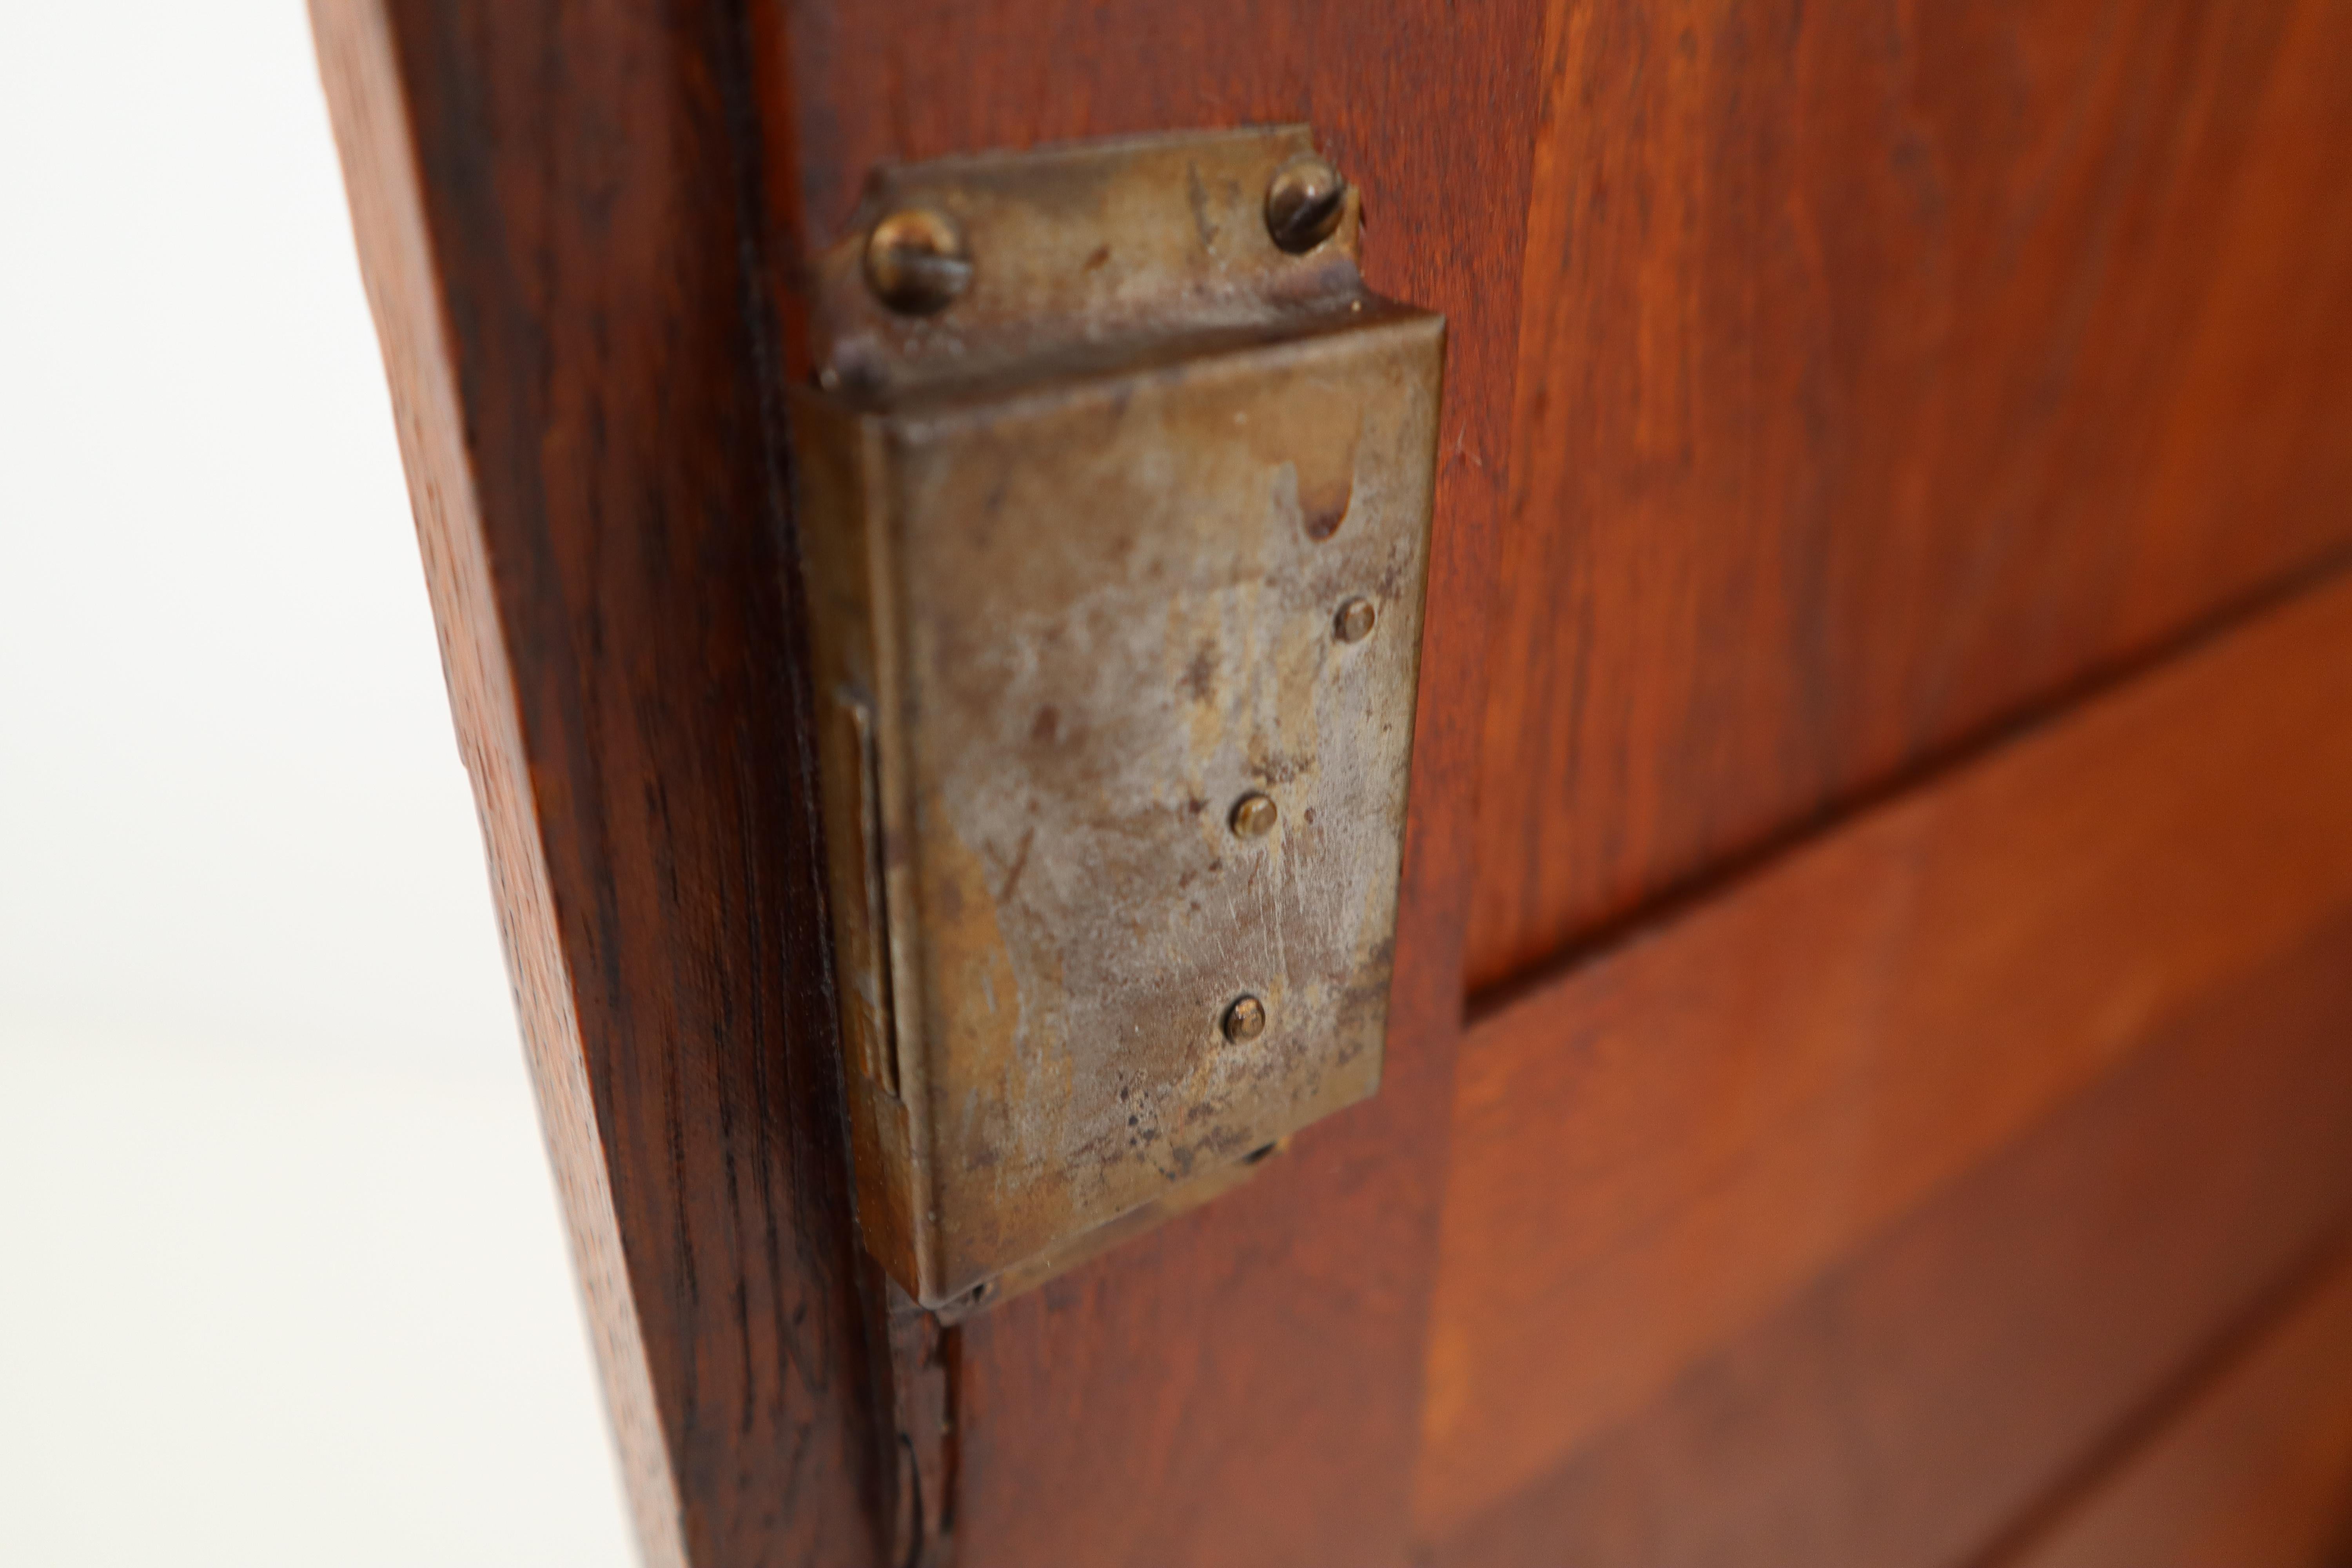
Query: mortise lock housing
x=1114 y=500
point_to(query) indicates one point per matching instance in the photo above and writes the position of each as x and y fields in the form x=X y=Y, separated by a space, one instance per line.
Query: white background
x=281 y=1276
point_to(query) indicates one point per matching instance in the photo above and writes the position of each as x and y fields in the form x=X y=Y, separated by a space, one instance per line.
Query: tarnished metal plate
x=1088 y=256
x=1071 y=612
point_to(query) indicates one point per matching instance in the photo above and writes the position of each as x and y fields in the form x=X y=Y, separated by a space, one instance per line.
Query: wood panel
x=549 y=200
x=1903 y=1408
x=1242 y=1386
x=1888 y=372
x=1969 y=414
x=1654 y=1153
x=2253 y=1470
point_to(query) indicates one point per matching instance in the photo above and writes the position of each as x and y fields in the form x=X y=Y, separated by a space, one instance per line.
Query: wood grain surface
x=1906 y=1406
x=2251 y=1464
x=1241 y=1387
x=1652 y=1153
x=1906 y=512
x=1887 y=372
x=550 y=202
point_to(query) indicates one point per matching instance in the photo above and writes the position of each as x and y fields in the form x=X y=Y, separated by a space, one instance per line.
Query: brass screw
x=1253 y=816
x=1304 y=203
x=915 y=262
x=1354 y=621
x=1244 y=1020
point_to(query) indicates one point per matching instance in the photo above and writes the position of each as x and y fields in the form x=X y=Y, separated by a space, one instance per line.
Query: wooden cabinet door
x=1870 y=1057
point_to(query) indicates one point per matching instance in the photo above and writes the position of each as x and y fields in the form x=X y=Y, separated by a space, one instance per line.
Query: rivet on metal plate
x=1305 y=202
x=1254 y=816
x=1110 y=457
x=916 y=261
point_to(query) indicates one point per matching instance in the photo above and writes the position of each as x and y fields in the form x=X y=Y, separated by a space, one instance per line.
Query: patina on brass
x=1085 y=545
x=1304 y=203
x=1254 y=816
x=916 y=261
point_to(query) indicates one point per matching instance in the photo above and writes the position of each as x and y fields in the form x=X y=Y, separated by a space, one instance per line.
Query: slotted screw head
x=1244 y=1020
x=915 y=262
x=1253 y=816
x=1354 y=621
x=1304 y=203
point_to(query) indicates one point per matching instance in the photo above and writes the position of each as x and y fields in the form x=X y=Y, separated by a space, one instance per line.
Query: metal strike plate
x=1115 y=534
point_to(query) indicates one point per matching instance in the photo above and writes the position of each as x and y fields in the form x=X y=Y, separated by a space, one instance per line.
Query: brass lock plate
x=1115 y=541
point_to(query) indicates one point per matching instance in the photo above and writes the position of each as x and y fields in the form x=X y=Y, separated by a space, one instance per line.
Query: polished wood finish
x=1888 y=374
x=1906 y=1406
x=2251 y=1464
x=1653 y=1152
x=1879 y=783
x=549 y=202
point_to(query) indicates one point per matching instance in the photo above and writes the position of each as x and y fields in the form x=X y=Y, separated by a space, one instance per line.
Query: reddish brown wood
x=1241 y=1387
x=1650 y=1154
x=1889 y=371
x=551 y=204
x=1904 y=1407
x=2255 y=1467
x=1893 y=376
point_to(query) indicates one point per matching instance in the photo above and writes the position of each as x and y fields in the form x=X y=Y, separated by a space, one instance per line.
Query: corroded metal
x=1304 y=203
x=916 y=261
x=1254 y=816
x=1114 y=779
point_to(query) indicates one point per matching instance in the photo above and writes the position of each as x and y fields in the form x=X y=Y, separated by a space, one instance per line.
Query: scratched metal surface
x=1085 y=256
x=1092 y=605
